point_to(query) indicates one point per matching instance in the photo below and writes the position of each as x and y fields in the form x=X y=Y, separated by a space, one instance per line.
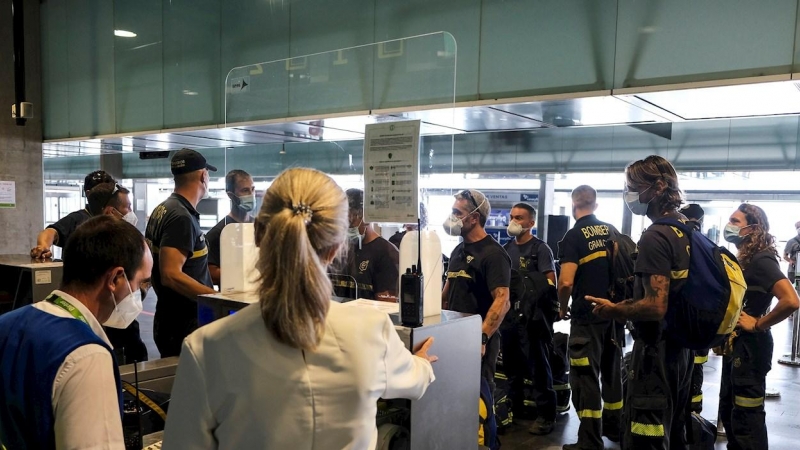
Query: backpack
x=487 y=427
x=712 y=295
x=621 y=252
x=533 y=298
x=702 y=434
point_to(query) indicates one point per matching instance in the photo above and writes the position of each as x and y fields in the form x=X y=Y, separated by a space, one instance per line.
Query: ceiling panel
x=592 y=111
x=474 y=119
x=748 y=100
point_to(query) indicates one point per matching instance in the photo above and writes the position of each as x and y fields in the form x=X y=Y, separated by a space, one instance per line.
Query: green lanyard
x=66 y=306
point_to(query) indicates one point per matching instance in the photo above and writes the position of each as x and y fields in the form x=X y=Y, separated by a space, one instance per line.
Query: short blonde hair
x=303 y=218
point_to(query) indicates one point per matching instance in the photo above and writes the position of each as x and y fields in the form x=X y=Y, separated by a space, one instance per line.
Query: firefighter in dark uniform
x=695 y=213
x=59 y=232
x=526 y=352
x=180 y=253
x=372 y=261
x=478 y=275
x=749 y=356
x=594 y=347
x=661 y=368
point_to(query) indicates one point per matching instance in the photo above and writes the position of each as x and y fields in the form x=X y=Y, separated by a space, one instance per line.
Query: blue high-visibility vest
x=33 y=345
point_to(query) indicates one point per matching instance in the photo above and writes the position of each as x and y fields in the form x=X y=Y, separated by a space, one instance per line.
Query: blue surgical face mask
x=247 y=202
x=632 y=200
x=731 y=233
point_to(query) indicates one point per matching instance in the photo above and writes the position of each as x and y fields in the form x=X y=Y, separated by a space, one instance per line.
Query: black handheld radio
x=411 y=290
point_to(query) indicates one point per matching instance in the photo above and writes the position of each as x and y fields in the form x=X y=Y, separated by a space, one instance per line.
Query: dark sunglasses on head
x=468 y=195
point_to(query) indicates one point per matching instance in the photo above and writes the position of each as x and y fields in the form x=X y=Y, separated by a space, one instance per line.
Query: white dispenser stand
x=238 y=256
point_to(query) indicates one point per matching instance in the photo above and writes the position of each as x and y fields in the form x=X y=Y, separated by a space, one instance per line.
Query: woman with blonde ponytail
x=744 y=370
x=295 y=370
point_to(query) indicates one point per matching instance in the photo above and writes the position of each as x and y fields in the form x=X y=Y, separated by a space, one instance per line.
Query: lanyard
x=66 y=306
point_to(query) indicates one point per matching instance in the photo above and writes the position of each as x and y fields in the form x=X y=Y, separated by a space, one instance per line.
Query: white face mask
x=131 y=218
x=632 y=200
x=515 y=229
x=205 y=183
x=353 y=234
x=127 y=310
x=453 y=225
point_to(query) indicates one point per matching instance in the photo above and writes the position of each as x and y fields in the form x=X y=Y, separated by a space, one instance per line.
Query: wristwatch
x=484 y=338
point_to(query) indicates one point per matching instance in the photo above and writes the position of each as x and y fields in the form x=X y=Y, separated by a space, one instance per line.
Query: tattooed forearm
x=497 y=311
x=654 y=304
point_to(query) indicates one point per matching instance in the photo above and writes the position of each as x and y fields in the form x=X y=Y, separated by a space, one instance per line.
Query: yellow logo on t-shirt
x=363 y=266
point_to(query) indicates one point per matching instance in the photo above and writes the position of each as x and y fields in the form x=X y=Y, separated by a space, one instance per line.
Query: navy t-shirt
x=532 y=256
x=67 y=224
x=175 y=223
x=474 y=271
x=375 y=267
x=584 y=245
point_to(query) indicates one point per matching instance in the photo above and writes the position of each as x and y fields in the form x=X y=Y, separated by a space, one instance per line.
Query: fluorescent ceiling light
x=124 y=33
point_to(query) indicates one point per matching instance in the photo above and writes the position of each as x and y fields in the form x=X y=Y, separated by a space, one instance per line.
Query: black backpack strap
x=685 y=227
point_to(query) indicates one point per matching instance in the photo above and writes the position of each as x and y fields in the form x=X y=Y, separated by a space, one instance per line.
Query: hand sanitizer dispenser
x=238 y=256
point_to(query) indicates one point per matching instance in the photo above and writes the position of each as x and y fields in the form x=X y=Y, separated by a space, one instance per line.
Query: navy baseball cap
x=187 y=160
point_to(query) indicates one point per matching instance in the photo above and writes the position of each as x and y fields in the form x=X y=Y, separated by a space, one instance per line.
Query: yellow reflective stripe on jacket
x=748 y=402
x=459 y=274
x=646 y=429
x=613 y=406
x=590 y=414
x=592 y=257
x=679 y=274
x=562 y=387
x=579 y=362
x=697 y=398
x=199 y=253
x=701 y=359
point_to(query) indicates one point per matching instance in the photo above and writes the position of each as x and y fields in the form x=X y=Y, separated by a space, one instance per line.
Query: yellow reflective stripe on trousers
x=697 y=398
x=748 y=402
x=590 y=414
x=646 y=429
x=579 y=362
x=701 y=359
x=562 y=387
x=592 y=257
x=679 y=274
x=613 y=406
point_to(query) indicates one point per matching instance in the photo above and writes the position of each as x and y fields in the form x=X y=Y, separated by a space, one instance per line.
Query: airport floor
x=783 y=413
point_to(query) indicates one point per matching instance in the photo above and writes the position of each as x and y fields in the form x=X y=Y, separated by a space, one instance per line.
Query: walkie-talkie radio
x=411 y=288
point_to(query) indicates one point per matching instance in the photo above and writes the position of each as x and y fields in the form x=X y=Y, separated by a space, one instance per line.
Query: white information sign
x=8 y=196
x=391 y=172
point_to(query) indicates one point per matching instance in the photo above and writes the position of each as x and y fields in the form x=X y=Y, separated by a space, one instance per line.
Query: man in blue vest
x=59 y=383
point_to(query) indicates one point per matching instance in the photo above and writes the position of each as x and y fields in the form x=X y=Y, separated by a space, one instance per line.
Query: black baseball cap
x=95 y=178
x=693 y=211
x=187 y=160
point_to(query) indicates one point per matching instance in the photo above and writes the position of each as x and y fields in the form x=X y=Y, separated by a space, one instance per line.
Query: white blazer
x=237 y=387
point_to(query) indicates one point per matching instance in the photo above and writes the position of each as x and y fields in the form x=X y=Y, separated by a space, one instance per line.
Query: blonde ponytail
x=303 y=219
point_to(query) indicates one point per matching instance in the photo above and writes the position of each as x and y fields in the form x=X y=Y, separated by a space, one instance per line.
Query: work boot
x=562 y=400
x=541 y=426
